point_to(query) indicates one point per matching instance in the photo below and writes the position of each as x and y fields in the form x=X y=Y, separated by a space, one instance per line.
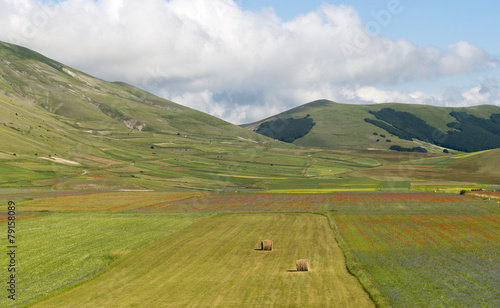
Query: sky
x=245 y=60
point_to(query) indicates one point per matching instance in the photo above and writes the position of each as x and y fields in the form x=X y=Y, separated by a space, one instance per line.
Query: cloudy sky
x=244 y=60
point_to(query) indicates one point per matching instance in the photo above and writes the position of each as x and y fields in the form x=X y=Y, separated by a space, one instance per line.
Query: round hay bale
x=303 y=265
x=267 y=245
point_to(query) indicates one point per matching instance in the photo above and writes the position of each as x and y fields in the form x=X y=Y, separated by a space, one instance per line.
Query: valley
x=123 y=197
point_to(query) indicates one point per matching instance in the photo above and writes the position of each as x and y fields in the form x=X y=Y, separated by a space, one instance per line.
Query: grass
x=218 y=262
x=102 y=202
x=63 y=249
x=399 y=246
x=432 y=254
x=150 y=201
x=181 y=149
x=10 y=175
x=321 y=190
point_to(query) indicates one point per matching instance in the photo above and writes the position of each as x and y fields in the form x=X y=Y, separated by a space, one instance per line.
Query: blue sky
x=244 y=60
x=423 y=22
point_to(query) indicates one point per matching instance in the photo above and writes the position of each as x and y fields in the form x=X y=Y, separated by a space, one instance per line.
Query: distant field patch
x=442 y=186
x=141 y=201
x=487 y=194
x=251 y=177
x=468 y=154
x=319 y=190
x=100 y=160
x=289 y=202
x=112 y=202
x=61 y=160
x=97 y=184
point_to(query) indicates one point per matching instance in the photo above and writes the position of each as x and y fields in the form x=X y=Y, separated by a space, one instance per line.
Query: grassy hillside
x=344 y=126
x=65 y=130
x=88 y=103
x=479 y=168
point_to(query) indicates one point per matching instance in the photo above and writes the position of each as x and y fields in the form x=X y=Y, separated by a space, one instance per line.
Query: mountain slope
x=63 y=129
x=381 y=126
x=477 y=167
x=42 y=98
x=30 y=77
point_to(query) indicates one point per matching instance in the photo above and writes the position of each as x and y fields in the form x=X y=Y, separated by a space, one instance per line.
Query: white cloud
x=462 y=58
x=239 y=65
x=487 y=93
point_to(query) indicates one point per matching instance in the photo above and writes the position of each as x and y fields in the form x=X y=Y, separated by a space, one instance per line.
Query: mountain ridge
x=83 y=102
x=354 y=126
x=63 y=129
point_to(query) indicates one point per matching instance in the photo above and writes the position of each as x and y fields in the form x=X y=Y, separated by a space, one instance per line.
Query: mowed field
x=217 y=262
x=56 y=250
x=201 y=249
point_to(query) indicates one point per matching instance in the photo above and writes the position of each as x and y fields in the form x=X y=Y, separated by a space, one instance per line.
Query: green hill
x=57 y=123
x=76 y=97
x=381 y=126
x=62 y=129
x=441 y=172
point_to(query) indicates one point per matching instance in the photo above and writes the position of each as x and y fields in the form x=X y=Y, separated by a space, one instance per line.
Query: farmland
x=60 y=249
x=210 y=201
x=217 y=262
x=406 y=249
x=122 y=197
x=440 y=255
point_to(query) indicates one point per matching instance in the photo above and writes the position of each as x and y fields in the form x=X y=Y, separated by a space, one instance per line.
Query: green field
x=202 y=249
x=56 y=250
x=127 y=199
x=217 y=262
x=421 y=255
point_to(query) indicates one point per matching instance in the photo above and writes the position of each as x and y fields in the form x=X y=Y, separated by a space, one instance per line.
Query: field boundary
x=354 y=268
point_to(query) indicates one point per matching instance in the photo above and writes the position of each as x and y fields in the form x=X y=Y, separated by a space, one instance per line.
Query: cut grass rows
x=61 y=249
x=217 y=262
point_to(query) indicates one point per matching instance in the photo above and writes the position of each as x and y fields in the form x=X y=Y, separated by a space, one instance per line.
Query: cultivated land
x=406 y=249
x=217 y=262
x=416 y=254
x=122 y=197
x=56 y=250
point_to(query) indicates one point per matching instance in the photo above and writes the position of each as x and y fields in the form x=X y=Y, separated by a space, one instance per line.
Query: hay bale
x=303 y=265
x=267 y=245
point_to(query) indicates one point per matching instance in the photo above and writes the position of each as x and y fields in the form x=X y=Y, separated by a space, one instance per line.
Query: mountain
x=57 y=122
x=62 y=129
x=33 y=79
x=43 y=100
x=382 y=126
